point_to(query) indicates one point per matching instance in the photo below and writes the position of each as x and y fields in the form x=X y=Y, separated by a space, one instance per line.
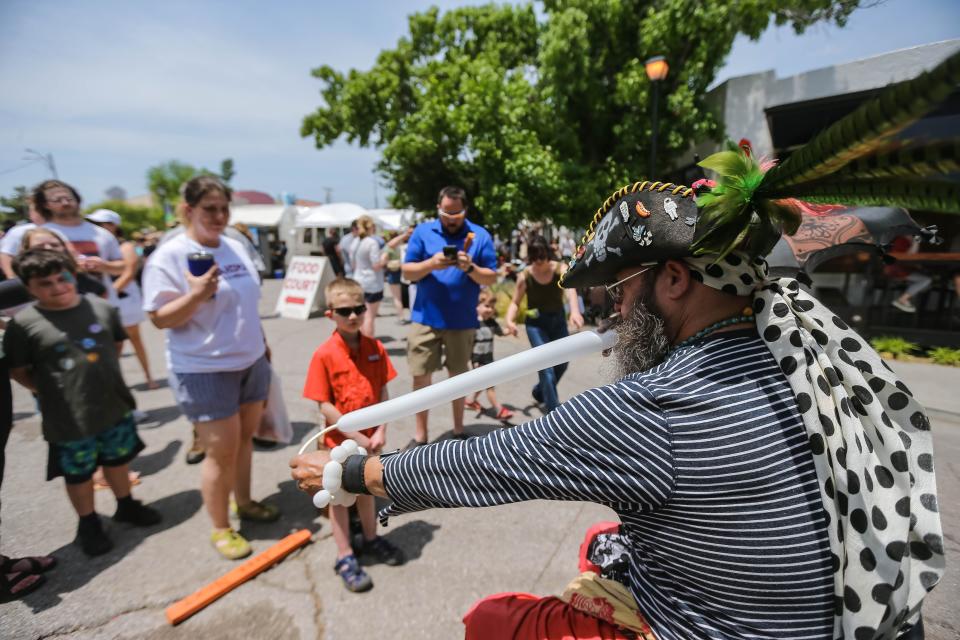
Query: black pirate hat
x=642 y=222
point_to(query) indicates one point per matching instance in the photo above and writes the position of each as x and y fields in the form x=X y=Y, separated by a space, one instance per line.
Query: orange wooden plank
x=183 y=609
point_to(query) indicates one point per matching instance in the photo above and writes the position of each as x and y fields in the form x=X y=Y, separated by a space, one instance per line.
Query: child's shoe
x=230 y=544
x=256 y=511
x=504 y=414
x=355 y=579
x=383 y=551
x=91 y=536
x=136 y=513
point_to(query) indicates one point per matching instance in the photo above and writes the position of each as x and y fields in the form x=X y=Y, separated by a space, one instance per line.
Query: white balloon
x=321 y=498
x=348 y=499
x=332 y=476
x=339 y=454
x=361 y=451
x=350 y=446
x=489 y=375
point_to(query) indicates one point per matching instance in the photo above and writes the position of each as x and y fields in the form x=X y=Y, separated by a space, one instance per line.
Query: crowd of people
x=716 y=374
x=76 y=290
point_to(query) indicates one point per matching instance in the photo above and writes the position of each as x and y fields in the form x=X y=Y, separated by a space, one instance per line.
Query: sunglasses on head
x=346 y=312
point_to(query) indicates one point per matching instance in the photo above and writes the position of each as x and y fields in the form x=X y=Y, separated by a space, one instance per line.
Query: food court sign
x=302 y=292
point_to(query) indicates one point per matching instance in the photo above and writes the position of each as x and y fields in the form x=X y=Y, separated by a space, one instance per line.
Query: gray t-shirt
x=73 y=357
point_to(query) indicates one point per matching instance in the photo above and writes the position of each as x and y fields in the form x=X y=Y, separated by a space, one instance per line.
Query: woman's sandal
x=18 y=584
x=35 y=564
x=473 y=405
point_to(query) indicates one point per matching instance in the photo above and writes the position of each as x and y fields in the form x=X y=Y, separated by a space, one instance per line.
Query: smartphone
x=450 y=252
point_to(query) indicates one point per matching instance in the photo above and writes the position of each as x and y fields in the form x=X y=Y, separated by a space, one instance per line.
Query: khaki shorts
x=427 y=348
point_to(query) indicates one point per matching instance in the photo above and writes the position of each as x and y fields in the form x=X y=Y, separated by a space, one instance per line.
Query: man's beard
x=642 y=341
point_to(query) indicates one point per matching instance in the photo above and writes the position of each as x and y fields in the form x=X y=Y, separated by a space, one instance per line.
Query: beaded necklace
x=745 y=316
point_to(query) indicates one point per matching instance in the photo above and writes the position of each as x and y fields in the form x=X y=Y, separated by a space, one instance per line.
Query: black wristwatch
x=470 y=268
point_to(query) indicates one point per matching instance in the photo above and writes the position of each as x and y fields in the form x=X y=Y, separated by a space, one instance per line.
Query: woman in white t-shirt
x=368 y=259
x=216 y=352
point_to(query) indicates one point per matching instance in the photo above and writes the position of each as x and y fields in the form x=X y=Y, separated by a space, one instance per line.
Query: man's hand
x=205 y=286
x=307 y=470
x=464 y=261
x=439 y=261
x=92 y=263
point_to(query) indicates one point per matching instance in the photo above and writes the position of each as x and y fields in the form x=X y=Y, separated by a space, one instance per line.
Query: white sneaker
x=140 y=416
x=906 y=307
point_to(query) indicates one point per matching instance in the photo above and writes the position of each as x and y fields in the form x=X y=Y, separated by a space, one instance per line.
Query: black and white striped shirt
x=705 y=460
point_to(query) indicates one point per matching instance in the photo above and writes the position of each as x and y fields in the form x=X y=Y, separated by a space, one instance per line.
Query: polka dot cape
x=871 y=444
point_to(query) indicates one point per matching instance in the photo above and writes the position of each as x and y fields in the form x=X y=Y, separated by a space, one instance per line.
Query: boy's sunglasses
x=346 y=312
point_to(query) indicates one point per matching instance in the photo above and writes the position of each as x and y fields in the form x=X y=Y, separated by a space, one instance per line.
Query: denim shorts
x=76 y=460
x=204 y=397
x=393 y=277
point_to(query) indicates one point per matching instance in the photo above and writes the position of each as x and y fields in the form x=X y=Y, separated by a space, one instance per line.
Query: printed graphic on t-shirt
x=87 y=248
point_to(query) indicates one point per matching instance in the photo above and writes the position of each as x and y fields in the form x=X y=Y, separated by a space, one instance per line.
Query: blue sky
x=111 y=88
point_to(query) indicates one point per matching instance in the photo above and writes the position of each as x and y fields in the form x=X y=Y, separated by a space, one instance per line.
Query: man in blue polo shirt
x=444 y=315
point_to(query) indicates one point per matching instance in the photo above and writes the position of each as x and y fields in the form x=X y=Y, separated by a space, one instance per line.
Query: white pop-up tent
x=335 y=214
x=268 y=223
x=313 y=222
x=394 y=219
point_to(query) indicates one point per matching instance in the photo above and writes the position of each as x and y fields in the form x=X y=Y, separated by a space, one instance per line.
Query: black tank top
x=547 y=298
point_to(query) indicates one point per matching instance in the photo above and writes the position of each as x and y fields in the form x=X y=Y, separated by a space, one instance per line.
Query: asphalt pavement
x=455 y=556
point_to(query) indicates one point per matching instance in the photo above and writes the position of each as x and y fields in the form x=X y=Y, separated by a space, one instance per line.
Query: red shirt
x=347 y=379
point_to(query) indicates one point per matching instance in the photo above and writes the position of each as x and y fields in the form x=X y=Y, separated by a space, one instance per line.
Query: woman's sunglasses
x=346 y=312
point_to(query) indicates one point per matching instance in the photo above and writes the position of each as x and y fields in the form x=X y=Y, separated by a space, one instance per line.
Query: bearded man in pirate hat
x=772 y=476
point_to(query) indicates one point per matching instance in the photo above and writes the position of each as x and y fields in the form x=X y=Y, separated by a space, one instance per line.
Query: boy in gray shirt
x=65 y=348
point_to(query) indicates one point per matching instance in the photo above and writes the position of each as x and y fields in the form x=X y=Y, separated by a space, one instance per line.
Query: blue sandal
x=355 y=579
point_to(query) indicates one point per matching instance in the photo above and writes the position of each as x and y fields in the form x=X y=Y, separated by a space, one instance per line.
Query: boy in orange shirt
x=348 y=372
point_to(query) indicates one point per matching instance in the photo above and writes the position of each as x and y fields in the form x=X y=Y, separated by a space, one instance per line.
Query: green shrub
x=896 y=347
x=945 y=355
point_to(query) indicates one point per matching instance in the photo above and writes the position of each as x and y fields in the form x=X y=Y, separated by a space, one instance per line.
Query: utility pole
x=329 y=197
x=47 y=159
x=376 y=199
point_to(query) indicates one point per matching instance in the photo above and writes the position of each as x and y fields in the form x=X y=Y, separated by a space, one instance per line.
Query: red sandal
x=504 y=414
x=17 y=585
x=473 y=405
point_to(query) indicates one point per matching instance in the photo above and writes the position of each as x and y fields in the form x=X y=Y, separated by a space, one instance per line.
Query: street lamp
x=47 y=159
x=657 y=69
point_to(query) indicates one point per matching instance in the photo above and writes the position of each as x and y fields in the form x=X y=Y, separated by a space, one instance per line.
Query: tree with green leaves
x=133 y=217
x=226 y=170
x=15 y=206
x=540 y=118
x=164 y=180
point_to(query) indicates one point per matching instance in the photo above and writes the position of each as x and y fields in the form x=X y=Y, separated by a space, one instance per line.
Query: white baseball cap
x=105 y=215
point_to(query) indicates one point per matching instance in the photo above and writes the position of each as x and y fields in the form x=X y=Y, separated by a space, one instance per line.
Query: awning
x=260 y=215
x=336 y=214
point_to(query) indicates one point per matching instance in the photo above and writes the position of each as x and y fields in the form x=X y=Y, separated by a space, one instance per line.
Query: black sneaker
x=137 y=514
x=383 y=551
x=92 y=538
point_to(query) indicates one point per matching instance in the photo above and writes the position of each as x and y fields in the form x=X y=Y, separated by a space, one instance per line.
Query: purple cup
x=199 y=263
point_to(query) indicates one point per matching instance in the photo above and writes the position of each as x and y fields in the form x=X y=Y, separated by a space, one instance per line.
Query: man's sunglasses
x=346 y=312
x=616 y=289
x=451 y=214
